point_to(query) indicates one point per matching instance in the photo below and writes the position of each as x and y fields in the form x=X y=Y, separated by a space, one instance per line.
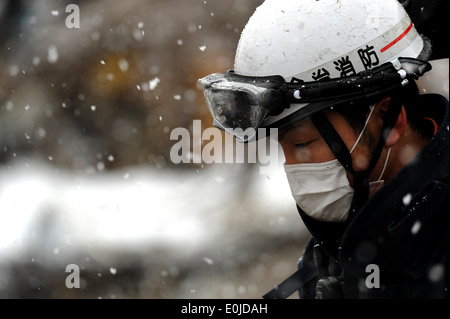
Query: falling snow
x=53 y=55
x=123 y=65
x=407 y=199
x=84 y=138
x=153 y=83
x=416 y=227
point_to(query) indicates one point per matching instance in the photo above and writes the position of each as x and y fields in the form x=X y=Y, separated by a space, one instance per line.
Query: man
x=366 y=152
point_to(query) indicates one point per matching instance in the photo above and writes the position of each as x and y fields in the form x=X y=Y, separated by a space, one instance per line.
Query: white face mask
x=322 y=190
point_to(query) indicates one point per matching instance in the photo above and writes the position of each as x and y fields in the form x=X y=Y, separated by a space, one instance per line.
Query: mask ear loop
x=374 y=186
x=385 y=164
x=372 y=107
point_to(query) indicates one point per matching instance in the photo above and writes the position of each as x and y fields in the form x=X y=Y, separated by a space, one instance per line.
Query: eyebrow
x=284 y=131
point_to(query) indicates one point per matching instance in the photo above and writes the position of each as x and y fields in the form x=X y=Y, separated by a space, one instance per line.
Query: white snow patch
x=136 y=209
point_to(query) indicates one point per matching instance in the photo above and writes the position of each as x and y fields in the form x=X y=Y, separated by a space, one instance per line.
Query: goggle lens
x=235 y=110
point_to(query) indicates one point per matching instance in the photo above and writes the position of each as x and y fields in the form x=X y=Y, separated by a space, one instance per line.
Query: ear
x=399 y=126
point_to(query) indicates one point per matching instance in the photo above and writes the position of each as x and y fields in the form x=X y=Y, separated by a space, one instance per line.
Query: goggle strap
x=367 y=84
x=343 y=88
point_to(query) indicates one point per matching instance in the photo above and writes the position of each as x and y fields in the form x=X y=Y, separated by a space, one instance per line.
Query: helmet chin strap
x=340 y=150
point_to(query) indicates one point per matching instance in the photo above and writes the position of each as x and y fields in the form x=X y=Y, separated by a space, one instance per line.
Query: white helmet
x=299 y=38
x=310 y=40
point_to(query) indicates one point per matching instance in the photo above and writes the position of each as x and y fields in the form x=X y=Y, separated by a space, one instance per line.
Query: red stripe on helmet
x=401 y=36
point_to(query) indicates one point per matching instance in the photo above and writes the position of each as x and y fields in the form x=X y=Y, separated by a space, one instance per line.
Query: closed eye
x=303 y=145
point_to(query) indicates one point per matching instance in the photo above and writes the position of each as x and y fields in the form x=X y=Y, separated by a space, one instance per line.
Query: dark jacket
x=403 y=229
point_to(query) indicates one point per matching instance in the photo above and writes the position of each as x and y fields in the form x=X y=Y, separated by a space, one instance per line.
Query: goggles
x=241 y=104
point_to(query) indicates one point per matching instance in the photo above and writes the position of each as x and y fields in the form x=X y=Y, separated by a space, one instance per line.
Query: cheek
x=363 y=152
x=316 y=154
x=294 y=155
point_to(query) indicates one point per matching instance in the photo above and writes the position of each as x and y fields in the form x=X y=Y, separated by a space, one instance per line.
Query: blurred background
x=85 y=171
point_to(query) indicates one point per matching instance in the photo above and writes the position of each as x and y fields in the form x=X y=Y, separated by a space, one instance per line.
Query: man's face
x=302 y=143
